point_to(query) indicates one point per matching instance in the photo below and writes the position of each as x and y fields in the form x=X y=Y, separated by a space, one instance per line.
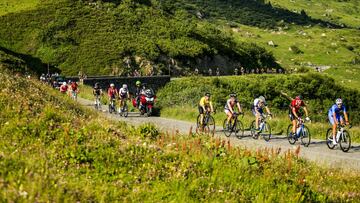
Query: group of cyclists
x=337 y=114
x=71 y=88
x=121 y=95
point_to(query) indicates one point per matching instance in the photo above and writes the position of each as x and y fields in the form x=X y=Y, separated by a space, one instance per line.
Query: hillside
x=52 y=150
x=103 y=38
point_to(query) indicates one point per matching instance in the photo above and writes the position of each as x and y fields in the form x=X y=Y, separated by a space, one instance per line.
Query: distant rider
x=335 y=116
x=138 y=92
x=112 y=93
x=97 y=91
x=229 y=107
x=64 y=88
x=123 y=96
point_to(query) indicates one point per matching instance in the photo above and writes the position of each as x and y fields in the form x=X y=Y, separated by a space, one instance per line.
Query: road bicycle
x=342 y=137
x=112 y=105
x=97 y=104
x=208 y=124
x=74 y=95
x=234 y=127
x=302 y=132
x=124 y=110
x=264 y=128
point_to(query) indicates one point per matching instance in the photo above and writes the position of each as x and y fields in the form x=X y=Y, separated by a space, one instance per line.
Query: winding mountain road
x=317 y=151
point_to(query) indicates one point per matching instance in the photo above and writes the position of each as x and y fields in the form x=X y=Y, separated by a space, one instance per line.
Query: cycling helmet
x=338 y=101
x=299 y=97
x=64 y=83
x=97 y=84
x=207 y=94
x=232 y=95
x=124 y=86
x=138 y=83
x=262 y=98
x=112 y=85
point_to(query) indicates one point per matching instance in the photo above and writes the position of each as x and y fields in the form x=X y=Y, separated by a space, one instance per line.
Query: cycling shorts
x=338 y=118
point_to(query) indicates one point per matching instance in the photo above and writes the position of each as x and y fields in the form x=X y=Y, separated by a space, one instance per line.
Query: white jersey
x=123 y=92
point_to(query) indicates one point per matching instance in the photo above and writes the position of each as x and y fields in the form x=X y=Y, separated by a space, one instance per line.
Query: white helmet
x=124 y=86
x=112 y=85
x=338 y=101
x=262 y=98
x=64 y=83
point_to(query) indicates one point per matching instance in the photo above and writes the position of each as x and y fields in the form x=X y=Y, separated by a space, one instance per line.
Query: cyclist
x=112 y=92
x=205 y=105
x=123 y=95
x=294 y=113
x=229 y=107
x=335 y=116
x=257 y=110
x=74 y=89
x=138 y=92
x=97 y=91
x=63 y=88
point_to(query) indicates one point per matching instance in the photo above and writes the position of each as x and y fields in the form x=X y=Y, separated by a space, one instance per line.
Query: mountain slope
x=100 y=37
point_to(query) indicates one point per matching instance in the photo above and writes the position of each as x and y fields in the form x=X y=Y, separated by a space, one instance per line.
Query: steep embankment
x=121 y=36
x=53 y=150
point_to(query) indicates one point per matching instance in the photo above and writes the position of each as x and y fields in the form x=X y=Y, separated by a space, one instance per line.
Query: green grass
x=52 y=150
x=347 y=76
x=345 y=12
x=12 y=6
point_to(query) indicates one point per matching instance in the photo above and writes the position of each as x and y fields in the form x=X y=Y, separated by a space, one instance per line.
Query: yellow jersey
x=203 y=102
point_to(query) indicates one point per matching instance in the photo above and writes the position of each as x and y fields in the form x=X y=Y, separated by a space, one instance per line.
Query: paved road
x=316 y=152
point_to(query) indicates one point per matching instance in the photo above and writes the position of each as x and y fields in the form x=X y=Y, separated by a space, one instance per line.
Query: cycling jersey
x=112 y=92
x=63 y=88
x=123 y=92
x=228 y=103
x=74 y=86
x=97 y=91
x=204 y=103
x=335 y=109
x=257 y=107
x=296 y=104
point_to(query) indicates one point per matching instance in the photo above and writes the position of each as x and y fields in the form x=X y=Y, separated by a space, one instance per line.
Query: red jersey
x=112 y=92
x=297 y=104
x=63 y=88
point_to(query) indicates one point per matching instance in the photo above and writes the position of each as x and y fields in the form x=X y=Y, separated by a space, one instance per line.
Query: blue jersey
x=335 y=109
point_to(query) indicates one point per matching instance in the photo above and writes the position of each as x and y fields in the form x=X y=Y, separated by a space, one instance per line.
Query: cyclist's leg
x=201 y=112
x=294 y=123
x=229 y=116
x=333 y=124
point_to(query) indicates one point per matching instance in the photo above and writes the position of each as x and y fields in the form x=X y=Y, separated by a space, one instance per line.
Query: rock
x=271 y=43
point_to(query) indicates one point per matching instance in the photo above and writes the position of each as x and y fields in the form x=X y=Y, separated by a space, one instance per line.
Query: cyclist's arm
x=211 y=107
x=306 y=111
x=128 y=95
x=239 y=107
x=230 y=108
x=346 y=117
x=267 y=110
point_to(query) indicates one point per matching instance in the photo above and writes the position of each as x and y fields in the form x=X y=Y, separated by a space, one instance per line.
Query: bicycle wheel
x=110 y=108
x=253 y=130
x=266 y=131
x=291 y=138
x=210 y=123
x=239 y=129
x=199 y=128
x=125 y=111
x=226 y=130
x=329 y=138
x=345 y=141
x=305 y=136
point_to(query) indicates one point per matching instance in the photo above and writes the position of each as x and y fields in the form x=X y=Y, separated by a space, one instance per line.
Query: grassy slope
x=345 y=12
x=53 y=150
x=11 y=6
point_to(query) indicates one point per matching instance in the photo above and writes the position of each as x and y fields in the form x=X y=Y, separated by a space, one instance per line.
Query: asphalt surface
x=317 y=151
